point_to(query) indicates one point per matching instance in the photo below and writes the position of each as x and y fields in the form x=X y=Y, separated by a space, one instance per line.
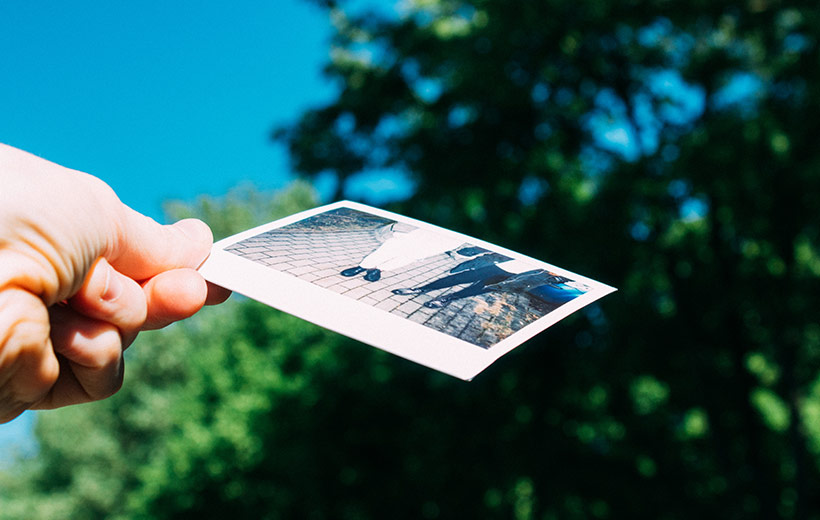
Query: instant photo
x=436 y=297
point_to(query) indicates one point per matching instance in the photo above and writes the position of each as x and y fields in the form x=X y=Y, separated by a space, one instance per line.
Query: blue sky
x=160 y=99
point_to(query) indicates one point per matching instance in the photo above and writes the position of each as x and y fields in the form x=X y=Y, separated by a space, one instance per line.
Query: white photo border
x=373 y=326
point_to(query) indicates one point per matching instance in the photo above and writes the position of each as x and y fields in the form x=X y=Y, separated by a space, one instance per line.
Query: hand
x=80 y=275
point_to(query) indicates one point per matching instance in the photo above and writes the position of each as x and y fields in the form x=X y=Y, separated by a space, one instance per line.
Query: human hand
x=80 y=275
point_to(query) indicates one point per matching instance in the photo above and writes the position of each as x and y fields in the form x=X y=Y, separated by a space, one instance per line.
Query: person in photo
x=495 y=272
x=477 y=272
x=402 y=244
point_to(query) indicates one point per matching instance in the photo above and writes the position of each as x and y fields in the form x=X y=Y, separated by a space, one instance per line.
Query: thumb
x=143 y=248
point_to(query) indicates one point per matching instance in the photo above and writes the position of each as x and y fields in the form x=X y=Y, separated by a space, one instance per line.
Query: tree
x=668 y=148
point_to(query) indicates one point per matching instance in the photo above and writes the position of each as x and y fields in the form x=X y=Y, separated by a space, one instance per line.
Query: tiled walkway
x=318 y=253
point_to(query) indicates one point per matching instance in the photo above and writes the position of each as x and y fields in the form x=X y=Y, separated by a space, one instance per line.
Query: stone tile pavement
x=317 y=249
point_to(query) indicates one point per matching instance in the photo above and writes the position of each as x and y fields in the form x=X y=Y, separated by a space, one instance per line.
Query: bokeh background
x=667 y=148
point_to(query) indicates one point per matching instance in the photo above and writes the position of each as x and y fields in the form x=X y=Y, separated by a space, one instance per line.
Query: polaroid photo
x=436 y=297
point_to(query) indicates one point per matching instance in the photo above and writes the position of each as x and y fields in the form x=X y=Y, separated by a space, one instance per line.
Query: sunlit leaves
x=772 y=409
x=648 y=394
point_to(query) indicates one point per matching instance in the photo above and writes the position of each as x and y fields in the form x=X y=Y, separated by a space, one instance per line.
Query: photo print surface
x=432 y=278
x=430 y=295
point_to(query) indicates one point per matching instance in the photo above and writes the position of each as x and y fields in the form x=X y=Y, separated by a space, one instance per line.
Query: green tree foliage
x=244 y=207
x=664 y=147
x=668 y=148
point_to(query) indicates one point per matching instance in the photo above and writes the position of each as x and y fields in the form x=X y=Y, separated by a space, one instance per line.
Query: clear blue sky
x=160 y=99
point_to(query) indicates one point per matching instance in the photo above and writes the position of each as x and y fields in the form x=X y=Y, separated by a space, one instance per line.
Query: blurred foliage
x=668 y=148
x=244 y=207
x=661 y=146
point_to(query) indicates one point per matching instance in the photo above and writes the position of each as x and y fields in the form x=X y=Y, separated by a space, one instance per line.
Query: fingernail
x=113 y=286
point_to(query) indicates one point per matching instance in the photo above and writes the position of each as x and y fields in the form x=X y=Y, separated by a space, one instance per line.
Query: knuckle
x=114 y=385
x=28 y=366
x=112 y=297
x=44 y=376
x=101 y=373
x=107 y=351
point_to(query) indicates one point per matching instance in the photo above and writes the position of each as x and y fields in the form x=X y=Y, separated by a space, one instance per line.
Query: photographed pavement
x=319 y=253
